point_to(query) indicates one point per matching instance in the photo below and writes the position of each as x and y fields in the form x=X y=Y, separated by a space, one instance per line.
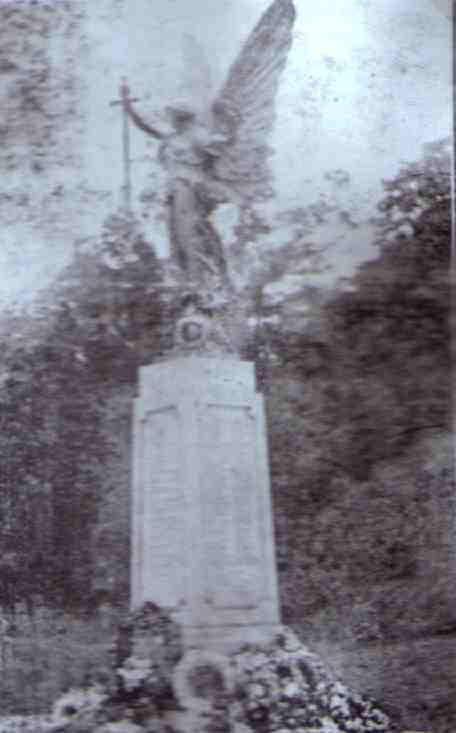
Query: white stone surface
x=202 y=533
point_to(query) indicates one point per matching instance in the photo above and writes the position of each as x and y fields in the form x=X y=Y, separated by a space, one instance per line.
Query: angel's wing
x=244 y=110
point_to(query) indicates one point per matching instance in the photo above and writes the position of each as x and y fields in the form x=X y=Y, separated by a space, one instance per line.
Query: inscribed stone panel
x=164 y=509
x=229 y=506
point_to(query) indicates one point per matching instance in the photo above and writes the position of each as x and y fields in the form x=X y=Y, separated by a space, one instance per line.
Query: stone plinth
x=202 y=534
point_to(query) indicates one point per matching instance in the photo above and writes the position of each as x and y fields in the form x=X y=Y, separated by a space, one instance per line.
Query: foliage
x=57 y=373
x=42 y=423
x=38 y=97
x=360 y=426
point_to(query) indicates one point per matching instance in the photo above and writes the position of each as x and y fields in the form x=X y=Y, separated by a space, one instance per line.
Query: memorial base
x=202 y=533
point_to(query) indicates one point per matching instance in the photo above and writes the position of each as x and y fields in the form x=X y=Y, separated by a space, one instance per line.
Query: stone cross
x=124 y=98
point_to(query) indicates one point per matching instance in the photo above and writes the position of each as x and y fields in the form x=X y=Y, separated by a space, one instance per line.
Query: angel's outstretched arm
x=139 y=122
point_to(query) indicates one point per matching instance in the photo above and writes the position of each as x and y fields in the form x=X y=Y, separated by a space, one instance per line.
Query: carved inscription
x=229 y=506
x=164 y=510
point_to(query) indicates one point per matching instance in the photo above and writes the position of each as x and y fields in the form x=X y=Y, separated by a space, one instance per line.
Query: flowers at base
x=144 y=683
x=272 y=688
x=135 y=673
x=26 y=724
x=151 y=632
x=285 y=686
x=75 y=702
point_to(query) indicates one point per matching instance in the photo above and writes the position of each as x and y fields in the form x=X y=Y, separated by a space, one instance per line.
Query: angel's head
x=181 y=117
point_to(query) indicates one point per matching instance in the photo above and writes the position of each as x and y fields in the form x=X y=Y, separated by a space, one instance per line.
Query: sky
x=366 y=85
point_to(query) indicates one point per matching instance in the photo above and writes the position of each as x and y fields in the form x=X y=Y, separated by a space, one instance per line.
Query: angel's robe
x=193 y=194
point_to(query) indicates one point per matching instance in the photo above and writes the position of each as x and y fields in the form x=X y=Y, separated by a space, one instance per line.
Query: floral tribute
x=276 y=688
x=284 y=687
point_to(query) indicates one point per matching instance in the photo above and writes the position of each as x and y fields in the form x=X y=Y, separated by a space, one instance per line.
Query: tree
x=57 y=374
x=359 y=405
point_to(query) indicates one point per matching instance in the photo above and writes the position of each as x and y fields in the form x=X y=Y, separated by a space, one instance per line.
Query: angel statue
x=220 y=155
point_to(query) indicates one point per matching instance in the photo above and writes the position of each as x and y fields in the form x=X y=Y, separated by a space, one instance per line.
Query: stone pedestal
x=202 y=534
